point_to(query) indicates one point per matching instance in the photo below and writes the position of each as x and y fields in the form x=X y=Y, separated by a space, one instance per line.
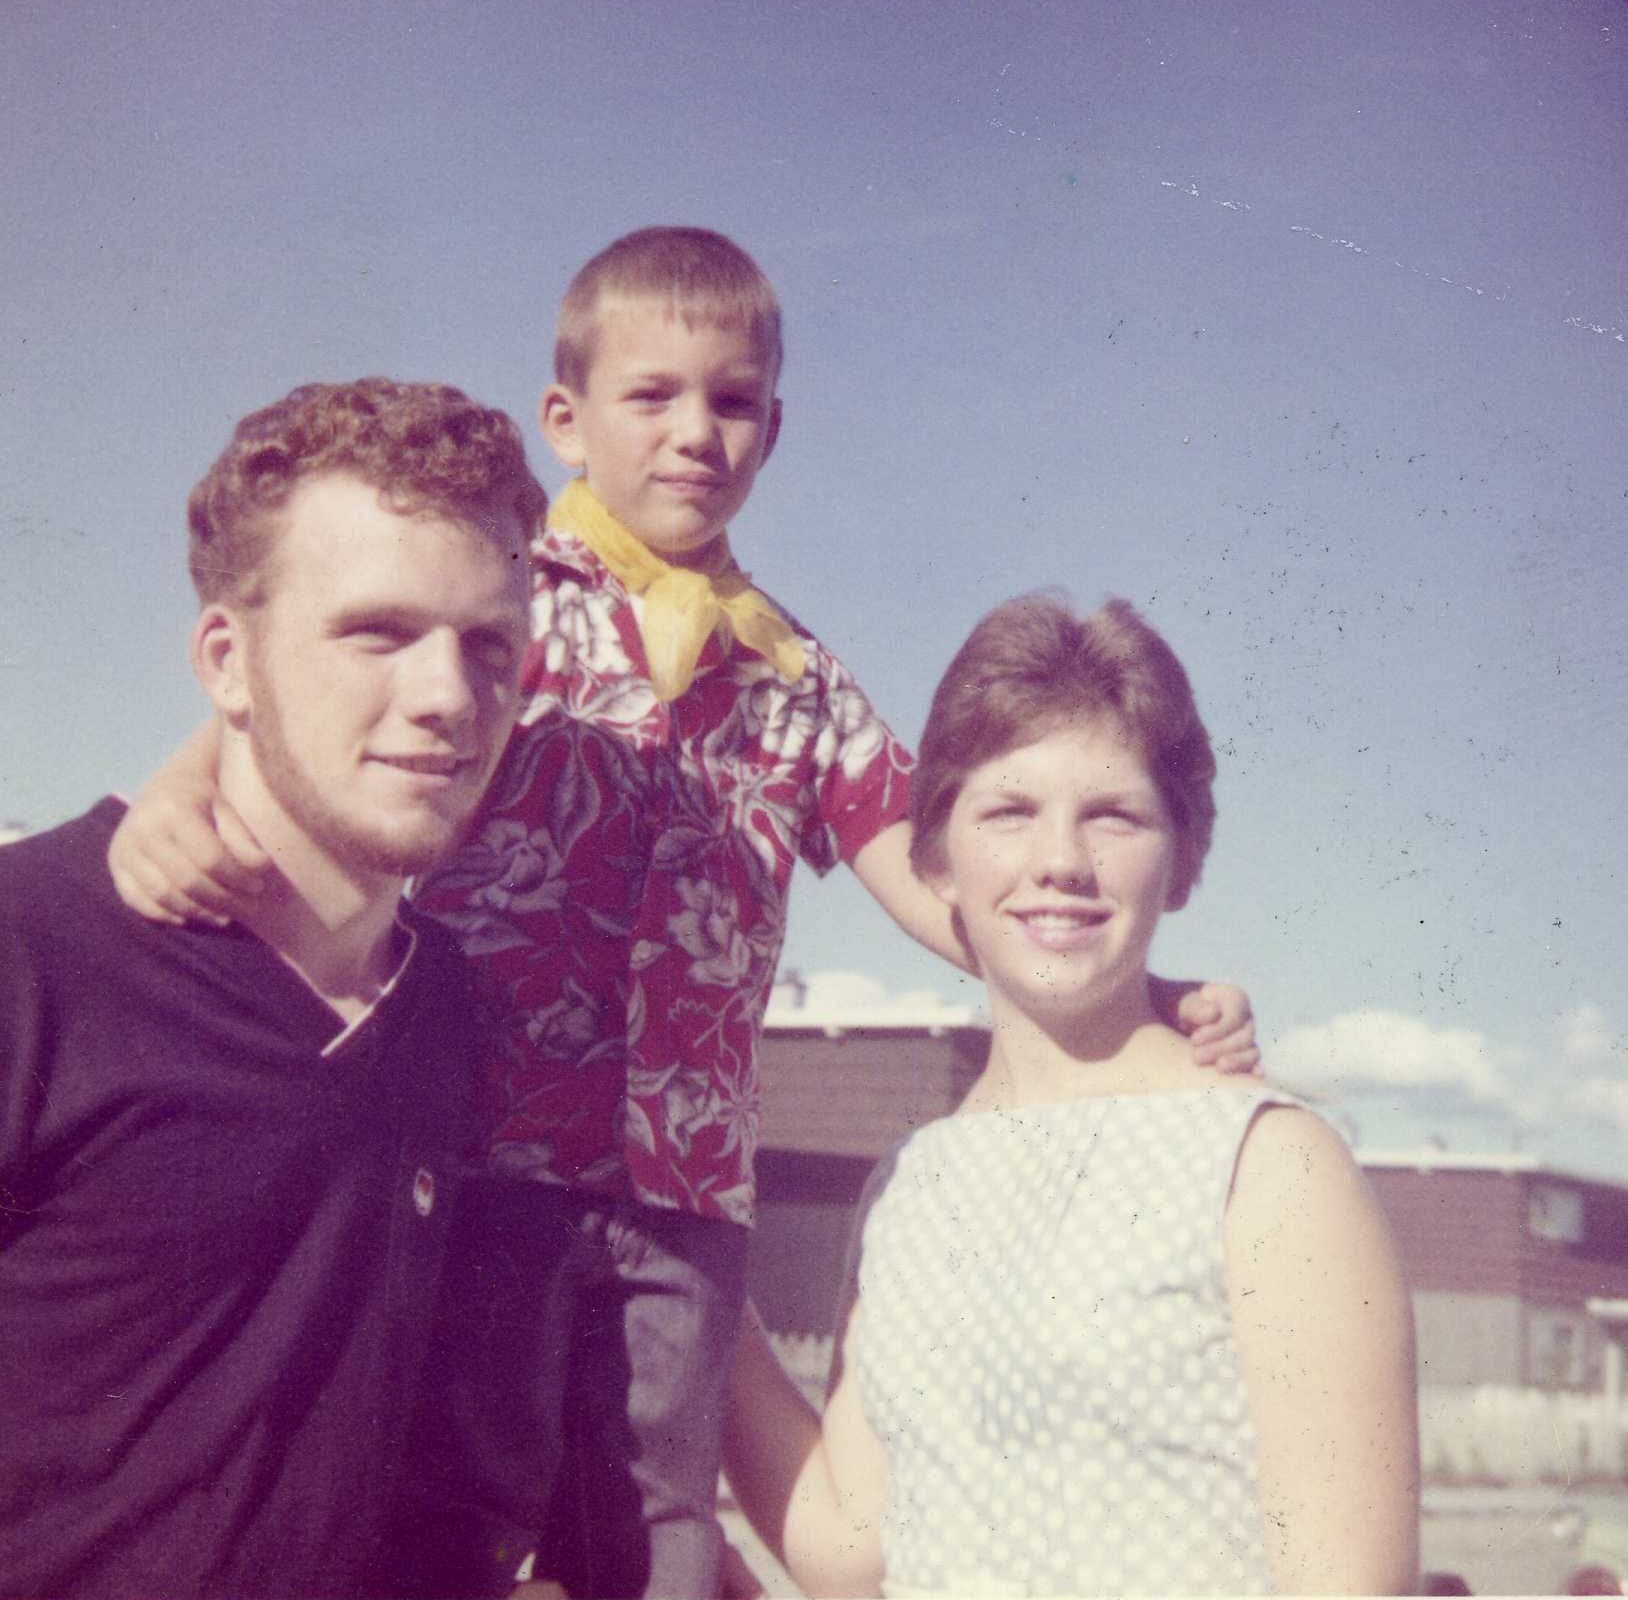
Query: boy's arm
x=883 y=866
x=1215 y=1016
x=182 y=854
x=1324 y=1332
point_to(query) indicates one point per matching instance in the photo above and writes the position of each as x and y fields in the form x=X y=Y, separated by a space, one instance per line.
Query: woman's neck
x=1123 y=1049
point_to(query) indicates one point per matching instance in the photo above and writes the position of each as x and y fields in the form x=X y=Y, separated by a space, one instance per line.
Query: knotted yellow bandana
x=682 y=605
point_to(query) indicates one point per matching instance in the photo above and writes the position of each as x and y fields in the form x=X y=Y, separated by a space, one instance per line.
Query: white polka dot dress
x=1045 y=1350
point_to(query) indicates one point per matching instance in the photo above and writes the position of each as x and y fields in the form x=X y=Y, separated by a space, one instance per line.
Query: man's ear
x=220 y=649
x=773 y=436
x=557 y=416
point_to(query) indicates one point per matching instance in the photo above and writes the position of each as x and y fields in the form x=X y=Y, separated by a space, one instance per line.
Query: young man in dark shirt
x=225 y=1153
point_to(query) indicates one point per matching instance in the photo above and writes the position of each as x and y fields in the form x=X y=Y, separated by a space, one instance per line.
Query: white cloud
x=856 y=990
x=1570 y=1098
x=1587 y=1038
x=1603 y=1098
x=857 y=993
x=1373 y=1048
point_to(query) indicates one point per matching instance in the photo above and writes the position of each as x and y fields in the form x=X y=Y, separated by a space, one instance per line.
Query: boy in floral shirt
x=683 y=743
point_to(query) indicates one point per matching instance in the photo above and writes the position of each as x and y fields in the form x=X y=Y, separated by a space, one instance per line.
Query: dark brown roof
x=857 y=1091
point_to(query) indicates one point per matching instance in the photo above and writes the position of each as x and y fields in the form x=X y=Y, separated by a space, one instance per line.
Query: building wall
x=1567 y=1271
x=1469 y=1338
x=833 y=1103
x=1559 y=1348
x=800 y=1245
x=858 y=1092
x=1502 y=1276
x=1475 y=1231
x=1459 y=1233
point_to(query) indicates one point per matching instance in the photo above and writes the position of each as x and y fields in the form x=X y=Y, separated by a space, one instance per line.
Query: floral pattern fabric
x=624 y=889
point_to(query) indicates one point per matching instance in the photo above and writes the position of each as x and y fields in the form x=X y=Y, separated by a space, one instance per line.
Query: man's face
x=671 y=426
x=382 y=671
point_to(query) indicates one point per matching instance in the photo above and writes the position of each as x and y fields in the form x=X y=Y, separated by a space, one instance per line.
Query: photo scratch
x=1620 y=335
x=1191 y=189
x=998 y=121
x=1612 y=331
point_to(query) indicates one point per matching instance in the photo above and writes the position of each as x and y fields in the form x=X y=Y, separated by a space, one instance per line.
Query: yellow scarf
x=682 y=605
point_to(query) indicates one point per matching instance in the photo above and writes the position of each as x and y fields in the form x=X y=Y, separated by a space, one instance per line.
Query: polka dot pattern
x=1045 y=1348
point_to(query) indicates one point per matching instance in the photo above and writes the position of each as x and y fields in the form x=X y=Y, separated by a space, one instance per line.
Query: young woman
x=1118 y=1325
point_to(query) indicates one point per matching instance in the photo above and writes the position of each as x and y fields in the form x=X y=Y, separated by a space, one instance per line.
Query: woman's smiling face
x=1060 y=857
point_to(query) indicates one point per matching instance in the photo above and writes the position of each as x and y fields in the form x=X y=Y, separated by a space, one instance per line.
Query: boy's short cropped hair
x=704 y=277
x=1032 y=666
x=424 y=446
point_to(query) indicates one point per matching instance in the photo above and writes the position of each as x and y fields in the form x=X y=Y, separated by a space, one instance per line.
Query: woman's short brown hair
x=1031 y=666
x=705 y=277
x=424 y=446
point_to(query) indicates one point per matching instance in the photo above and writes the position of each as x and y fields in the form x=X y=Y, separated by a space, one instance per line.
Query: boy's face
x=671 y=426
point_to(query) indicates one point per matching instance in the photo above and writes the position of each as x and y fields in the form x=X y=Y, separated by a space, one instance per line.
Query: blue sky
x=1306 y=329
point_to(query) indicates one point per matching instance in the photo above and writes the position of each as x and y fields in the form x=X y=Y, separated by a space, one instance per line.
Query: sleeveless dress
x=1045 y=1350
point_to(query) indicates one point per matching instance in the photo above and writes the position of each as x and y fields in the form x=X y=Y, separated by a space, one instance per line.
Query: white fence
x=1487 y=1434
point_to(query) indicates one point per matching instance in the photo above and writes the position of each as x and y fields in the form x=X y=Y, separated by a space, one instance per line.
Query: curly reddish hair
x=1032 y=666
x=704 y=277
x=424 y=446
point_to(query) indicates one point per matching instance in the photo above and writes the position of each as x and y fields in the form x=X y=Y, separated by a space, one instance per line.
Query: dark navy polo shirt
x=221 y=1227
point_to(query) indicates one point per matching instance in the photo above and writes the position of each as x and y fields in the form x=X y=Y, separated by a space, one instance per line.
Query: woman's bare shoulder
x=1297 y=1180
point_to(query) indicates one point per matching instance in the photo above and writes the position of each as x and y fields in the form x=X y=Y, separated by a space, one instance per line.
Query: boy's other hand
x=1217 y=1019
x=182 y=854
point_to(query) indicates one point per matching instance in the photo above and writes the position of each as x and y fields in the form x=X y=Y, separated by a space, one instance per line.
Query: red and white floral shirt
x=625 y=889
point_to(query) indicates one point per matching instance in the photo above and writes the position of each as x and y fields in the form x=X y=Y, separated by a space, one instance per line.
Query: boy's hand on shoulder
x=1218 y=1022
x=182 y=854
